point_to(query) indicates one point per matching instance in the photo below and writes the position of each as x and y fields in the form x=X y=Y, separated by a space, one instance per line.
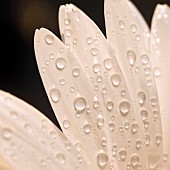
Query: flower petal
x=98 y=60
x=126 y=37
x=30 y=141
x=160 y=57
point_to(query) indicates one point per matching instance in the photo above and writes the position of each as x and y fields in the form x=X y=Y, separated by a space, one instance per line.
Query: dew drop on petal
x=144 y=115
x=55 y=95
x=116 y=80
x=7 y=133
x=156 y=71
x=61 y=158
x=124 y=108
x=96 y=68
x=145 y=59
x=87 y=128
x=131 y=56
x=49 y=39
x=68 y=32
x=80 y=104
x=122 y=24
x=133 y=28
x=141 y=98
x=60 y=63
x=122 y=154
x=66 y=124
x=76 y=72
x=108 y=63
x=94 y=51
x=153 y=160
x=102 y=160
x=109 y=106
x=111 y=126
x=67 y=21
x=158 y=139
x=135 y=161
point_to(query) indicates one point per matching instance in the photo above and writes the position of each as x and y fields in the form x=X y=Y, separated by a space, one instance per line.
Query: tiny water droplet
x=141 y=98
x=49 y=39
x=156 y=71
x=60 y=63
x=67 y=21
x=145 y=59
x=138 y=144
x=131 y=56
x=94 y=51
x=109 y=106
x=68 y=32
x=55 y=95
x=108 y=63
x=97 y=68
x=66 y=124
x=122 y=24
x=144 y=115
x=61 y=158
x=116 y=80
x=76 y=72
x=80 y=104
x=133 y=28
x=158 y=139
x=7 y=134
x=87 y=128
x=124 y=108
x=135 y=160
x=134 y=128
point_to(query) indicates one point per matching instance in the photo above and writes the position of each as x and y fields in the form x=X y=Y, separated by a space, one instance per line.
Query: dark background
x=19 y=18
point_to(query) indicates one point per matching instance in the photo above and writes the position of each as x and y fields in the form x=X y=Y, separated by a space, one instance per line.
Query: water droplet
x=108 y=63
x=156 y=71
x=55 y=95
x=147 y=139
x=165 y=157
x=28 y=128
x=61 y=158
x=109 y=106
x=14 y=114
x=134 y=128
x=67 y=21
x=135 y=160
x=99 y=78
x=102 y=160
x=127 y=125
x=51 y=56
x=153 y=160
x=158 y=139
x=122 y=24
x=154 y=102
x=137 y=37
x=68 y=32
x=72 y=89
x=96 y=41
x=104 y=142
x=144 y=115
x=138 y=144
x=7 y=134
x=131 y=56
x=49 y=39
x=60 y=63
x=67 y=145
x=62 y=82
x=94 y=51
x=124 y=108
x=80 y=104
x=100 y=121
x=147 y=71
x=89 y=40
x=116 y=80
x=111 y=126
x=133 y=28
x=123 y=93
x=66 y=124
x=87 y=128
x=96 y=68
x=145 y=59
x=122 y=154
x=80 y=158
x=141 y=98
x=76 y=72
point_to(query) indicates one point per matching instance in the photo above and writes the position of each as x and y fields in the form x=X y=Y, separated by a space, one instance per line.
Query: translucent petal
x=30 y=141
x=160 y=57
x=125 y=35
x=121 y=127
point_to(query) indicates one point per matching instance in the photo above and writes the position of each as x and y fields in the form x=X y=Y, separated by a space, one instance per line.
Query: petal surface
x=30 y=141
x=160 y=57
x=127 y=38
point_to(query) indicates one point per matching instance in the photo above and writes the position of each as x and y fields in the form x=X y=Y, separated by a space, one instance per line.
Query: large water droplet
x=141 y=98
x=49 y=39
x=67 y=21
x=144 y=115
x=96 y=68
x=111 y=126
x=55 y=95
x=116 y=80
x=80 y=104
x=108 y=63
x=60 y=63
x=158 y=139
x=124 y=108
x=68 y=32
x=89 y=40
x=102 y=160
x=66 y=124
x=131 y=56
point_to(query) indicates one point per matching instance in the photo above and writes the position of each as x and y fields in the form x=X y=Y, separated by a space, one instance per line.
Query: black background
x=19 y=18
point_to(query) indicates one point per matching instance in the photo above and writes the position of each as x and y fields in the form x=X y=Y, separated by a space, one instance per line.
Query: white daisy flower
x=110 y=96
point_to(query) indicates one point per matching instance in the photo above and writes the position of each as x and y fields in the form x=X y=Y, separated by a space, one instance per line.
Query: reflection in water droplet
x=124 y=108
x=134 y=128
x=55 y=95
x=89 y=40
x=67 y=21
x=131 y=56
x=111 y=126
x=102 y=160
x=60 y=63
x=80 y=104
x=144 y=115
x=116 y=80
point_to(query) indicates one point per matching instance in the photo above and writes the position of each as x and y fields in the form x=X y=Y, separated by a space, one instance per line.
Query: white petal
x=30 y=141
x=91 y=49
x=125 y=35
x=160 y=57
